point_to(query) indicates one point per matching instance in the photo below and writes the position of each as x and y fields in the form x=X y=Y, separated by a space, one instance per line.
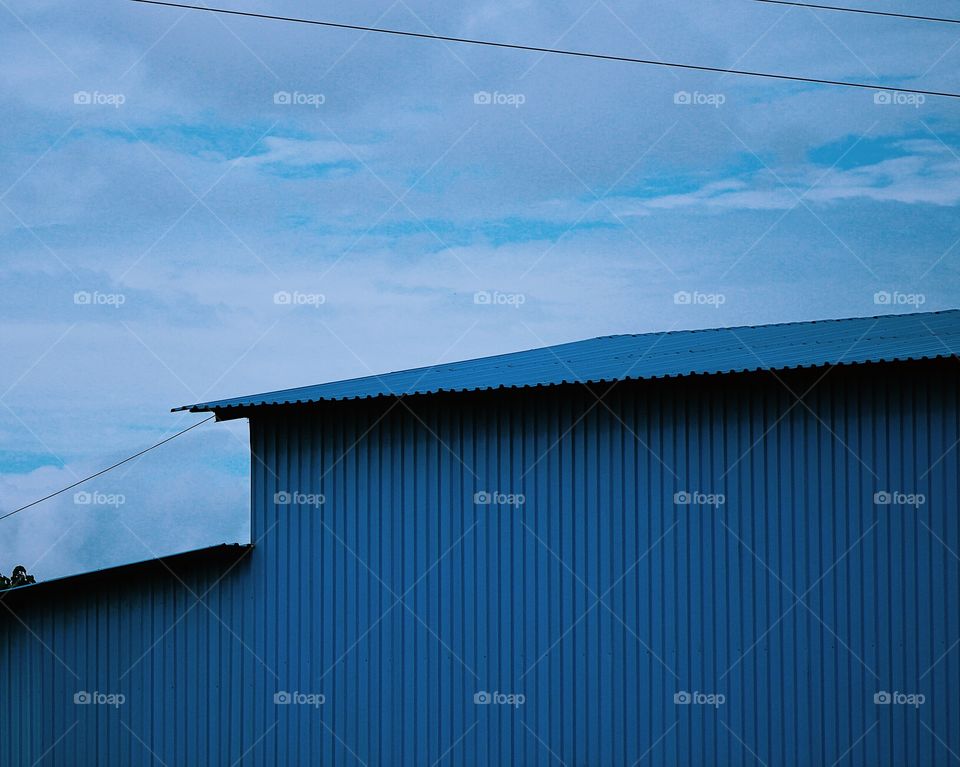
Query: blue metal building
x=723 y=547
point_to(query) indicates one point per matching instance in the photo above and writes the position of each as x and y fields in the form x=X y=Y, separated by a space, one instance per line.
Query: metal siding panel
x=96 y=635
x=399 y=597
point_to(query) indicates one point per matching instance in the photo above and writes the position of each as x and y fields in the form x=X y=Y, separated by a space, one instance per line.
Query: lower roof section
x=887 y=338
x=173 y=565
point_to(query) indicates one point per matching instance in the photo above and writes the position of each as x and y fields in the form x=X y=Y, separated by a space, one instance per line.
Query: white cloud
x=928 y=176
x=302 y=152
x=173 y=499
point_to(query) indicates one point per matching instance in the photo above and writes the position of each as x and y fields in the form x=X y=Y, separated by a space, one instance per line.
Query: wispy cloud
x=928 y=175
x=299 y=153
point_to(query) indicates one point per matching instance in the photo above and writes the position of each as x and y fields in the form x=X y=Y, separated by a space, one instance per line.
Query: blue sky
x=167 y=173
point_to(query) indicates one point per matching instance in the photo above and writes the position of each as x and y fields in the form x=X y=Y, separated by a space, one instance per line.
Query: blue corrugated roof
x=651 y=355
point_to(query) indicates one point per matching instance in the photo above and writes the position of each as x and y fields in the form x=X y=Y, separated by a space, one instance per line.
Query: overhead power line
x=557 y=51
x=864 y=11
x=109 y=468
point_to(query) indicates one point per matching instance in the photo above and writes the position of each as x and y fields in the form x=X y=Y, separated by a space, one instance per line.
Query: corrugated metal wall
x=381 y=583
x=187 y=683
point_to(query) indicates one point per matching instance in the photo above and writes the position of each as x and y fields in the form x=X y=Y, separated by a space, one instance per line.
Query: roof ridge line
x=900 y=337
